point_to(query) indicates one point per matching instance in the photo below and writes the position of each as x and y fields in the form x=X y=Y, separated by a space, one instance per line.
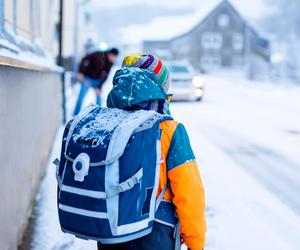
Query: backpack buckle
x=129 y=184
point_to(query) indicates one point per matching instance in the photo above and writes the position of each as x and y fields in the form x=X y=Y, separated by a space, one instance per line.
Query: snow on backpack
x=108 y=174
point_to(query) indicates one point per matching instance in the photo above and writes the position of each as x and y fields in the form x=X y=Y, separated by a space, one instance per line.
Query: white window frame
x=238 y=41
x=217 y=41
x=212 y=40
x=223 y=20
x=9 y=39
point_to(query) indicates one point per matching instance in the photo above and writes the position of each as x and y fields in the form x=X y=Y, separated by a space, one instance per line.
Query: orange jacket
x=186 y=191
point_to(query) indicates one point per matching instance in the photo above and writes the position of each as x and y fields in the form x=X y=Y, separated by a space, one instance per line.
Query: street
x=233 y=69
x=248 y=157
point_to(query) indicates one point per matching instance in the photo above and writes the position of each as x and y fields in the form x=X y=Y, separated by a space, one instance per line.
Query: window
x=179 y=69
x=237 y=41
x=237 y=61
x=20 y=18
x=7 y=24
x=223 y=20
x=209 y=62
x=212 y=40
x=23 y=18
x=206 y=40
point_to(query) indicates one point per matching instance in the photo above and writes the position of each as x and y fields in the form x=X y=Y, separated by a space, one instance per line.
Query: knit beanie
x=152 y=63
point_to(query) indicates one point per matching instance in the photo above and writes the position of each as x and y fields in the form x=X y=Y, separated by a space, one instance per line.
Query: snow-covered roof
x=167 y=27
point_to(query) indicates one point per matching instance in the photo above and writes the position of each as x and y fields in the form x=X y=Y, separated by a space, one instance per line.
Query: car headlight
x=198 y=82
x=199 y=92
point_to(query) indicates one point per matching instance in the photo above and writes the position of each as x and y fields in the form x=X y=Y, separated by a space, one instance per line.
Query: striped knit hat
x=152 y=63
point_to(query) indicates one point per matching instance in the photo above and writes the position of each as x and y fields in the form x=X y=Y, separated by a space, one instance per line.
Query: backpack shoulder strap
x=161 y=196
x=76 y=120
x=163 y=191
x=122 y=134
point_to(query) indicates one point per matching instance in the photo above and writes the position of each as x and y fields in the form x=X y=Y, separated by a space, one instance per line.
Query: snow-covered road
x=246 y=136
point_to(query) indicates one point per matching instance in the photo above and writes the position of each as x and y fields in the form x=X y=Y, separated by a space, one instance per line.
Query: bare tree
x=284 y=19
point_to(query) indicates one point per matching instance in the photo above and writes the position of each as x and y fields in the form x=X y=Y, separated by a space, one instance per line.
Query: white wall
x=30 y=104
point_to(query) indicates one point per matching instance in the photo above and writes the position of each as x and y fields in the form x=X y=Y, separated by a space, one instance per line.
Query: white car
x=186 y=85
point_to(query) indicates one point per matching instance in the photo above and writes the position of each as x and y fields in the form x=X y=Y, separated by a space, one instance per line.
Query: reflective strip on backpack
x=83 y=212
x=132 y=227
x=112 y=203
x=83 y=192
x=165 y=223
x=156 y=183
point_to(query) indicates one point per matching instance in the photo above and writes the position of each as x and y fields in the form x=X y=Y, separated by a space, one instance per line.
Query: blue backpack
x=108 y=174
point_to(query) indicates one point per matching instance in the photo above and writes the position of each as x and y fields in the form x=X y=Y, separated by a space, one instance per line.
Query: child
x=185 y=193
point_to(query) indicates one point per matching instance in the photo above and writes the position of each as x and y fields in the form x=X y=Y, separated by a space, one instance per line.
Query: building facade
x=30 y=101
x=221 y=40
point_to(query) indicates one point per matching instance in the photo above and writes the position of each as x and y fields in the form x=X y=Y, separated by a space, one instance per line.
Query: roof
x=168 y=27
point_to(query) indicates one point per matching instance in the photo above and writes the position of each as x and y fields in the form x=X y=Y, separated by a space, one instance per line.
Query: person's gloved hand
x=80 y=77
x=98 y=91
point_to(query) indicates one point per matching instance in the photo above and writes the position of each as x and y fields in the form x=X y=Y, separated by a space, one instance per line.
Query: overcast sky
x=251 y=8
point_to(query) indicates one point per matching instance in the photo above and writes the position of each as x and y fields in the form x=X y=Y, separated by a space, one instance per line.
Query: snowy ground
x=246 y=136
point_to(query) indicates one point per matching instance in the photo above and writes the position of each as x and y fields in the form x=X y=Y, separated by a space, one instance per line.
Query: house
x=216 y=37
